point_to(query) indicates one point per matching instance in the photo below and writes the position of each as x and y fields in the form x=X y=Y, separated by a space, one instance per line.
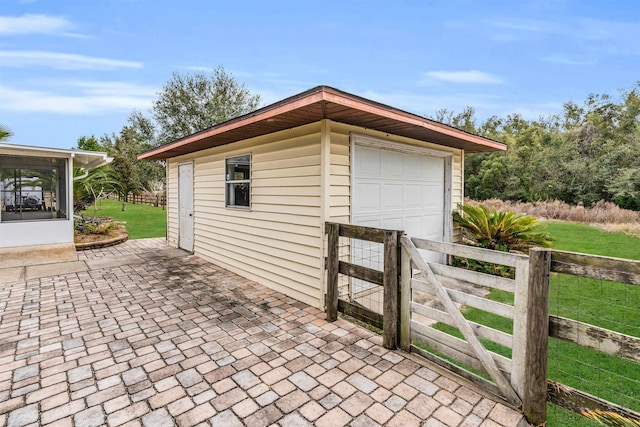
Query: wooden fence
x=388 y=278
x=586 y=335
x=417 y=326
x=157 y=200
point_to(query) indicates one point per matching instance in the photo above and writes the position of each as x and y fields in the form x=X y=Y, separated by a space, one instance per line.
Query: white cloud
x=532 y=111
x=586 y=34
x=77 y=97
x=529 y=26
x=485 y=105
x=427 y=105
x=34 y=24
x=567 y=60
x=110 y=88
x=62 y=61
x=199 y=68
x=471 y=76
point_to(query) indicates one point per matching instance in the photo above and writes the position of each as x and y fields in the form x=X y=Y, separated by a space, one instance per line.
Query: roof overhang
x=319 y=103
x=86 y=160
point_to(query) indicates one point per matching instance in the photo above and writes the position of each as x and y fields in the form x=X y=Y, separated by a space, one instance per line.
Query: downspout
x=84 y=175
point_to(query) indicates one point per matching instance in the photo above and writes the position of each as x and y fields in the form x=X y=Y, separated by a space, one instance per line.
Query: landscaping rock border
x=102 y=243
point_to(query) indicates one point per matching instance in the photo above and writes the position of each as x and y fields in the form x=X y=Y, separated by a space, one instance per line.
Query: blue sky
x=70 y=68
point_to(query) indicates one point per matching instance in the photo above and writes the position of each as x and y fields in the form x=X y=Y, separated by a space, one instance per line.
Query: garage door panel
x=414 y=196
x=432 y=168
x=430 y=226
x=433 y=196
x=368 y=162
x=413 y=168
x=392 y=164
x=413 y=223
x=393 y=223
x=392 y=197
x=368 y=197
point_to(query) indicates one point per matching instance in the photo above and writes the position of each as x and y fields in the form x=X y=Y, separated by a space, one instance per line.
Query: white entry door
x=185 y=206
x=396 y=190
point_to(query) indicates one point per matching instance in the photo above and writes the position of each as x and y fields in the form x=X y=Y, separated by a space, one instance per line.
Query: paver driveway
x=145 y=335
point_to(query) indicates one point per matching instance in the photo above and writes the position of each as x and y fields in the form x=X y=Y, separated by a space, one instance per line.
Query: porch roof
x=81 y=159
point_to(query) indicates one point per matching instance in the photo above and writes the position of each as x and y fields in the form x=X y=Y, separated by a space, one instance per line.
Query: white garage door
x=399 y=191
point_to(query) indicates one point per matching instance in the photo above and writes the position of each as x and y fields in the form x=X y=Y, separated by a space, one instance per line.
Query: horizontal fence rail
x=596 y=267
x=596 y=338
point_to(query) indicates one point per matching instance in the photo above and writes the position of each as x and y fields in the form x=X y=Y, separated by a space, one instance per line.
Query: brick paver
x=169 y=339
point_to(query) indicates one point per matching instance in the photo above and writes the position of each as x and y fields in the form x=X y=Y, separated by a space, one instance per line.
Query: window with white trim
x=238 y=181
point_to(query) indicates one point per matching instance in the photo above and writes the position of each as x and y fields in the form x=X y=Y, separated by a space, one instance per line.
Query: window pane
x=32 y=188
x=238 y=194
x=238 y=168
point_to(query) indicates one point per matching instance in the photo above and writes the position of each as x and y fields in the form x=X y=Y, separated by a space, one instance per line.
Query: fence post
x=390 y=285
x=520 y=318
x=333 y=240
x=531 y=336
x=405 y=300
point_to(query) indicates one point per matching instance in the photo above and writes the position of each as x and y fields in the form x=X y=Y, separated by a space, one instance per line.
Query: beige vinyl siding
x=340 y=145
x=457 y=190
x=275 y=242
x=340 y=179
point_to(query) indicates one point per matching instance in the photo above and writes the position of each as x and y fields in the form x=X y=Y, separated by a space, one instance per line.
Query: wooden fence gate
x=472 y=352
x=492 y=329
x=387 y=278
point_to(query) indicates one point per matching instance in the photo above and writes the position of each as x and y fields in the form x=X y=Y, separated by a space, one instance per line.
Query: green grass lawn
x=609 y=305
x=141 y=221
x=591 y=240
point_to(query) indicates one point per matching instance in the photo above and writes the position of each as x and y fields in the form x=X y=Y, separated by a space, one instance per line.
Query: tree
x=124 y=150
x=189 y=103
x=93 y=187
x=586 y=153
x=5 y=133
x=89 y=144
x=128 y=174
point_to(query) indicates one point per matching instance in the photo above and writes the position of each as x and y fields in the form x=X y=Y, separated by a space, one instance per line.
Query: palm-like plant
x=504 y=231
x=92 y=188
x=4 y=133
x=609 y=418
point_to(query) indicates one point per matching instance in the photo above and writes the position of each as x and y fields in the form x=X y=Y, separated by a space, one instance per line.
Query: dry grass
x=604 y=215
x=600 y=213
x=632 y=229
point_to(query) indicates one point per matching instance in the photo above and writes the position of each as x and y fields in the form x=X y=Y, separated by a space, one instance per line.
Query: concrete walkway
x=142 y=334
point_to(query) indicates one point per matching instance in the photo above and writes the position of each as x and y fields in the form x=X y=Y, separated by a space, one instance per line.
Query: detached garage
x=252 y=194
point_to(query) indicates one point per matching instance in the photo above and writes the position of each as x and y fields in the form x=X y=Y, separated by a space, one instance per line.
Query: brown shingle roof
x=324 y=102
